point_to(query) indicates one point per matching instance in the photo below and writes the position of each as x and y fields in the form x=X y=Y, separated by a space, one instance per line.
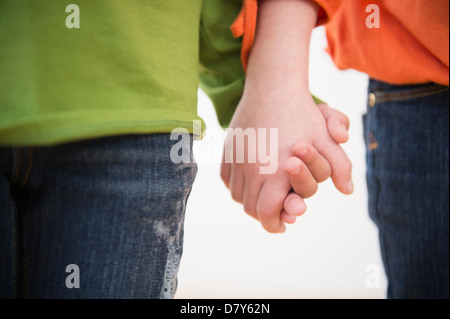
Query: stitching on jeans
x=406 y=95
x=24 y=265
x=382 y=234
x=373 y=144
x=15 y=254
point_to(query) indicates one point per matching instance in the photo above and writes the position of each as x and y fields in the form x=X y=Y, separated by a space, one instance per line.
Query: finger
x=225 y=173
x=287 y=218
x=225 y=170
x=294 y=205
x=237 y=186
x=250 y=198
x=337 y=130
x=328 y=112
x=270 y=202
x=341 y=166
x=316 y=163
x=300 y=177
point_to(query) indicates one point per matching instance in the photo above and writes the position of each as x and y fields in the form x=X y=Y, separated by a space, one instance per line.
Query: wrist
x=280 y=84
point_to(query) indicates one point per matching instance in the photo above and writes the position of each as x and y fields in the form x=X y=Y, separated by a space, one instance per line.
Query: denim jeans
x=113 y=206
x=407 y=136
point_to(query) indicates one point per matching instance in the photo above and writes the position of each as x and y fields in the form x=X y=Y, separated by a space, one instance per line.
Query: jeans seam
x=15 y=254
x=18 y=167
x=27 y=172
x=383 y=241
x=24 y=266
x=371 y=132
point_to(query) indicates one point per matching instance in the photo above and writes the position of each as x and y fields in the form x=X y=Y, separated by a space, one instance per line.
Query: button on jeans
x=407 y=135
x=100 y=218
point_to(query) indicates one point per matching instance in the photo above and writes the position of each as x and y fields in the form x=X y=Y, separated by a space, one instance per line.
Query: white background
x=331 y=252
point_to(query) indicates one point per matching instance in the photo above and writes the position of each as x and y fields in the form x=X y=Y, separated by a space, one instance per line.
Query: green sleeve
x=317 y=100
x=221 y=73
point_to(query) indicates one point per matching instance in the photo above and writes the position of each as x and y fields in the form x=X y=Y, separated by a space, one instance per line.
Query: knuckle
x=324 y=175
x=272 y=230
x=311 y=191
x=268 y=227
x=224 y=176
x=347 y=166
x=225 y=180
x=264 y=211
x=323 y=178
x=347 y=121
x=252 y=169
x=266 y=216
x=236 y=196
x=249 y=209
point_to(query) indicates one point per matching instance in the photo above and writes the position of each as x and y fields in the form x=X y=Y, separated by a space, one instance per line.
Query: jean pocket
x=364 y=123
x=402 y=93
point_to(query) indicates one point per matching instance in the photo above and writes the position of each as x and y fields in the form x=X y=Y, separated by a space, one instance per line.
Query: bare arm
x=281 y=47
x=276 y=95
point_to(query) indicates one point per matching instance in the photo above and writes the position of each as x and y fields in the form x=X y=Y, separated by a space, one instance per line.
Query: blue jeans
x=113 y=207
x=407 y=136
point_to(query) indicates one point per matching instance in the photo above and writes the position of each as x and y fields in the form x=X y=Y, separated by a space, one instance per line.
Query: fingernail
x=350 y=187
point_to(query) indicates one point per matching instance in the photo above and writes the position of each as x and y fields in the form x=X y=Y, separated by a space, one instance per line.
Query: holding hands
x=276 y=95
x=308 y=154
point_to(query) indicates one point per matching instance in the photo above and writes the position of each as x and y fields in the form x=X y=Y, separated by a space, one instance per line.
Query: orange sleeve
x=245 y=24
x=327 y=10
x=412 y=47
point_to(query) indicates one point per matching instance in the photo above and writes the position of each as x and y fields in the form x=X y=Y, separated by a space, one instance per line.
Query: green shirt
x=131 y=67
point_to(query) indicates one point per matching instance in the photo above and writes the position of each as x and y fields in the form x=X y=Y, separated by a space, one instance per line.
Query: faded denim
x=112 y=206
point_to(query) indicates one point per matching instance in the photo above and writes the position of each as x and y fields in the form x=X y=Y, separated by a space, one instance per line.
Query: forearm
x=281 y=48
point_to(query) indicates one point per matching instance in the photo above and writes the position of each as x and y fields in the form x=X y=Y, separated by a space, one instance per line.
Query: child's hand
x=265 y=196
x=307 y=167
x=276 y=95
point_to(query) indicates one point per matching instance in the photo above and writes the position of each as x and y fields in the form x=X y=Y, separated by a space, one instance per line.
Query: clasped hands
x=308 y=154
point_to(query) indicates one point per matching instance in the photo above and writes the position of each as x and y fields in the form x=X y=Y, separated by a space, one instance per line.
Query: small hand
x=307 y=167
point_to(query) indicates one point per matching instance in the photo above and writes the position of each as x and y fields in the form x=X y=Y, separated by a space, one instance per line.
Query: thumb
x=337 y=129
x=337 y=123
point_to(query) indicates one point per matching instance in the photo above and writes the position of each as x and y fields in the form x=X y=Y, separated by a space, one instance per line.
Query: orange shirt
x=410 y=46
